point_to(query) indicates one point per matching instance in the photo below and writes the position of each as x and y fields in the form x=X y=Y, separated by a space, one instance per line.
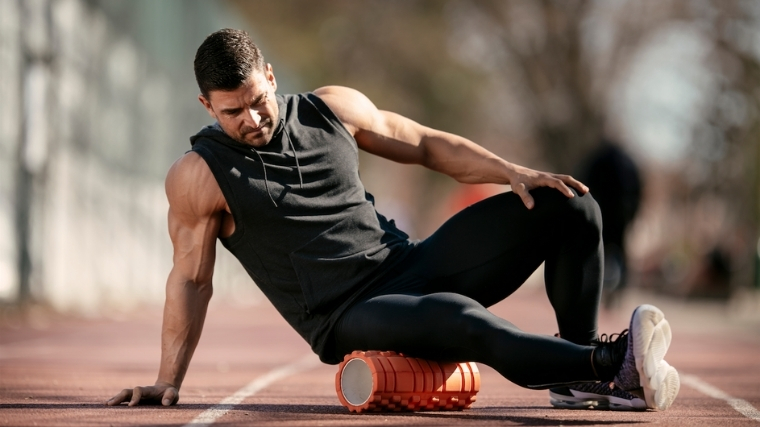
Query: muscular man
x=276 y=180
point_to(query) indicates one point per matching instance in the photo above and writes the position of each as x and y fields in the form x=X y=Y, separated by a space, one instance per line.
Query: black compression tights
x=434 y=305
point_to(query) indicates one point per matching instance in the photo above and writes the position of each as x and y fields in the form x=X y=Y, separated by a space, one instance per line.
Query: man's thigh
x=439 y=325
x=489 y=249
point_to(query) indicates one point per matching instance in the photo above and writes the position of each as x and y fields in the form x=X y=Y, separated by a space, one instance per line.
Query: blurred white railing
x=89 y=124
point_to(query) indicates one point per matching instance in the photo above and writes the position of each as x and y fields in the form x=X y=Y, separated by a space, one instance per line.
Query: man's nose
x=254 y=117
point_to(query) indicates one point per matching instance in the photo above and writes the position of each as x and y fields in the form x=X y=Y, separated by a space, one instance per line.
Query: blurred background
x=654 y=104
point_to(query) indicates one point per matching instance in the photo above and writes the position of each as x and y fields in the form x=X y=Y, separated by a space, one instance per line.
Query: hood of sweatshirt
x=279 y=144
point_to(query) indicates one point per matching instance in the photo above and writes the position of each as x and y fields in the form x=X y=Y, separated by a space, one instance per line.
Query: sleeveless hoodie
x=306 y=230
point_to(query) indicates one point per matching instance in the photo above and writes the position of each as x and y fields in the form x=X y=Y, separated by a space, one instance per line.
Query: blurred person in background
x=613 y=178
x=276 y=180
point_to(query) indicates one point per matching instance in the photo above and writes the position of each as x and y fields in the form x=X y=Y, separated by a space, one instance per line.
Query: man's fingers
x=558 y=184
x=569 y=180
x=137 y=393
x=149 y=394
x=123 y=396
x=562 y=183
x=171 y=396
x=522 y=191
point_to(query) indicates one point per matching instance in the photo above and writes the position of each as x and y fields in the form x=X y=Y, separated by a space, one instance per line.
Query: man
x=276 y=180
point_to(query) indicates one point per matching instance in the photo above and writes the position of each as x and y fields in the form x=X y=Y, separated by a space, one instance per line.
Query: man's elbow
x=178 y=285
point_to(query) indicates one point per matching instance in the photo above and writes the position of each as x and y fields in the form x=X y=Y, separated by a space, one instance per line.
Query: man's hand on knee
x=161 y=393
x=522 y=180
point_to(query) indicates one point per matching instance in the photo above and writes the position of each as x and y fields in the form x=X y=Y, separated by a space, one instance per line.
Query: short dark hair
x=225 y=60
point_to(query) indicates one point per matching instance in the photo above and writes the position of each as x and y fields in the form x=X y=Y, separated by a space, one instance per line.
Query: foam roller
x=388 y=381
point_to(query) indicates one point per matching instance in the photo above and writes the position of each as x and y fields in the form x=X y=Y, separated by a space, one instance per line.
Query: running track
x=252 y=369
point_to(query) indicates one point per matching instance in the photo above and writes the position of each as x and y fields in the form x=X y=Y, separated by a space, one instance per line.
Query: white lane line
x=740 y=405
x=209 y=416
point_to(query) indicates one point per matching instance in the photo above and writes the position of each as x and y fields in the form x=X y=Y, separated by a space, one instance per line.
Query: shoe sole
x=651 y=336
x=595 y=401
x=668 y=385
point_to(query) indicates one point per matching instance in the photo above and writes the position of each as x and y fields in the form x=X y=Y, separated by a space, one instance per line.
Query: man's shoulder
x=187 y=166
x=321 y=102
x=189 y=171
x=352 y=108
x=191 y=184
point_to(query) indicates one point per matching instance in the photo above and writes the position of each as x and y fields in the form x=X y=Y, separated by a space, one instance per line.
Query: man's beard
x=264 y=131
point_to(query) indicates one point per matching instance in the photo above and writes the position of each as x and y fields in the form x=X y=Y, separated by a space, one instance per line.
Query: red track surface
x=60 y=375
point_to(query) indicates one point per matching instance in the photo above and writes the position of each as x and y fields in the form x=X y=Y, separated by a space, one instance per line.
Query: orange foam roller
x=389 y=381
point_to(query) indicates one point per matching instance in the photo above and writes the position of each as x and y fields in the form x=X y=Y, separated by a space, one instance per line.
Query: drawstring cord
x=264 y=166
x=266 y=181
x=290 y=143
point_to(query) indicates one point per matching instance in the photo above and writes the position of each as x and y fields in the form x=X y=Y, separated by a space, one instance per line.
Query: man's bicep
x=393 y=137
x=379 y=132
x=194 y=242
x=194 y=218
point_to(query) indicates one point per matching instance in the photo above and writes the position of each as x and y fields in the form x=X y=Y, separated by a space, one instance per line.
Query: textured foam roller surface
x=388 y=381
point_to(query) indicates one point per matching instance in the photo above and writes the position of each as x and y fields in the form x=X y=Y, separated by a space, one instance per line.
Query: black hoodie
x=306 y=230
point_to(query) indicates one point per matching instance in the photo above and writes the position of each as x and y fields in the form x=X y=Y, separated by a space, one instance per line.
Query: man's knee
x=580 y=212
x=587 y=212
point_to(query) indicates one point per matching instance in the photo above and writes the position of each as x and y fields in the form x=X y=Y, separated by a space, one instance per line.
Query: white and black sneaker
x=635 y=358
x=597 y=395
x=643 y=367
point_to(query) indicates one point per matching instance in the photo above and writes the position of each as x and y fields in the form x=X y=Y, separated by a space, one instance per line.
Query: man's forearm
x=464 y=160
x=184 y=314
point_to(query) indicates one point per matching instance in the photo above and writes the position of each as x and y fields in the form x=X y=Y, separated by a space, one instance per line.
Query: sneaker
x=602 y=395
x=643 y=366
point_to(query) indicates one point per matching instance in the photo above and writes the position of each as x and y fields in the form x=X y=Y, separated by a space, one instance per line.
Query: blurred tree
x=467 y=66
x=726 y=156
x=389 y=50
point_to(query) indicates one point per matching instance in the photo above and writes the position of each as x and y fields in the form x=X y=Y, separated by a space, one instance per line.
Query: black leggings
x=433 y=305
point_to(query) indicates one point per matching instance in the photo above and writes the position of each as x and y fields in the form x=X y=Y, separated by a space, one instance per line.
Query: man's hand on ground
x=523 y=180
x=165 y=394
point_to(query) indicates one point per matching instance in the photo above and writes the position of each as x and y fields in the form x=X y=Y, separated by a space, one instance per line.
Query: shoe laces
x=616 y=344
x=612 y=338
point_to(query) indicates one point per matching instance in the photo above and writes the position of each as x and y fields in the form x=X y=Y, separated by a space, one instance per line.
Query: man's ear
x=270 y=77
x=207 y=106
